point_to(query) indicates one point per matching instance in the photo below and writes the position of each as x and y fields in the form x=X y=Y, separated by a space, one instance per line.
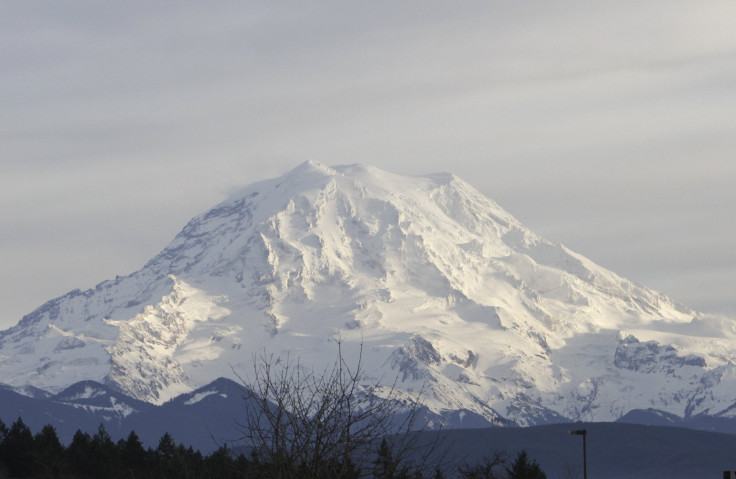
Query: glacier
x=423 y=279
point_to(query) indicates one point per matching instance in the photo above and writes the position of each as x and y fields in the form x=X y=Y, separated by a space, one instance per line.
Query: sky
x=607 y=126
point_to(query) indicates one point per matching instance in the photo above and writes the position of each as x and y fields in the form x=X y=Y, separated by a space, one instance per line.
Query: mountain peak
x=311 y=166
x=308 y=171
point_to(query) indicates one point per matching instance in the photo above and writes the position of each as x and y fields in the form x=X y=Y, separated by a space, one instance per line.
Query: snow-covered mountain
x=443 y=289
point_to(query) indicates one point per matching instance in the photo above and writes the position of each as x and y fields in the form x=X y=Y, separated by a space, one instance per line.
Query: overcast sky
x=607 y=126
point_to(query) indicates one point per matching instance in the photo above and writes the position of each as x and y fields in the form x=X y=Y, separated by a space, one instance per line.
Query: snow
x=438 y=285
x=117 y=409
x=201 y=395
x=88 y=393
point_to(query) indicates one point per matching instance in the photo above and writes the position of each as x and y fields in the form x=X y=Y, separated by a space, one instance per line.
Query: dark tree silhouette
x=78 y=454
x=18 y=452
x=133 y=456
x=104 y=454
x=523 y=468
x=49 y=450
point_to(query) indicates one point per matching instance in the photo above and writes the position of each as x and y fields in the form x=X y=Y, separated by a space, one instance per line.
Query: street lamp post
x=582 y=432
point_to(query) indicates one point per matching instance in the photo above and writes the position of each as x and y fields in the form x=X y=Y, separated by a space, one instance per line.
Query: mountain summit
x=441 y=288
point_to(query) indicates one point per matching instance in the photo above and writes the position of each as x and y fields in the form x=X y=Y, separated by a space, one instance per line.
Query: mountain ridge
x=435 y=283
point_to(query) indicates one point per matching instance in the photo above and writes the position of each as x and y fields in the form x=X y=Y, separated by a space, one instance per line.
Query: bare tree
x=308 y=424
x=488 y=467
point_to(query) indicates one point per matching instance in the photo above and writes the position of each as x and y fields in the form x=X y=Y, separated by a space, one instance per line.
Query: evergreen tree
x=387 y=466
x=49 y=451
x=384 y=461
x=78 y=454
x=166 y=457
x=3 y=434
x=220 y=464
x=133 y=457
x=166 y=448
x=522 y=468
x=104 y=455
x=189 y=463
x=18 y=451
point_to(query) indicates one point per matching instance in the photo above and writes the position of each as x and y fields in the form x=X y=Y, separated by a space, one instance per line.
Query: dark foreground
x=614 y=450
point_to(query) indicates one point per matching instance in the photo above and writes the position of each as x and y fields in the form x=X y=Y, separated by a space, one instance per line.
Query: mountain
x=422 y=279
x=84 y=405
x=205 y=418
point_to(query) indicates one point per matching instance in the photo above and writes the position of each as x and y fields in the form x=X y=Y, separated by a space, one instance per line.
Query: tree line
x=25 y=455
x=42 y=455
